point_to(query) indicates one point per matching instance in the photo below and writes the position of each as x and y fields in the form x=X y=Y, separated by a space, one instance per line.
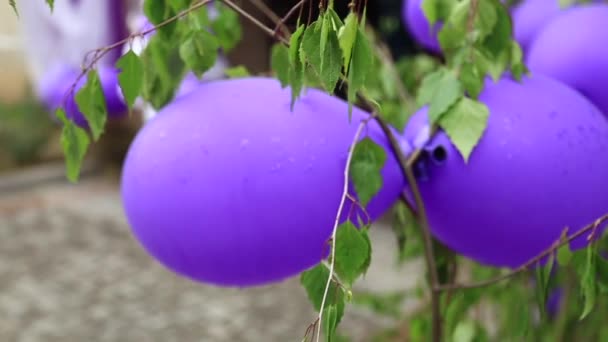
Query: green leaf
x=465 y=123
x=314 y=281
x=296 y=60
x=518 y=68
x=14 y=6
x=227 y=27
x=51 y=4
x=458 y=307
x=429 y=8
x=465 y=331
x=92 y=103
x=361 y=65
x=279 y=62
x=131 y=76
x=499 y=35
x=352 y=252
x=588 y=282
x=199 y=51
x=543 y=276
x=330 y=322
x=347 y=36
x=442 y=89
x=367 y=162
x=471 y=79
x=180 y=5
x=75 y=142
x=564 y=254
x=157 y=11
x=164 y=70
x=238 y=71
x=328 y=67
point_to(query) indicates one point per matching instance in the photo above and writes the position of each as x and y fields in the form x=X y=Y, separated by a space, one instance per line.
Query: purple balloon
x=419 y=27
x=56 y=84
x=573 y=48
x=538 y=168
x=530 y=16
x=227 y=186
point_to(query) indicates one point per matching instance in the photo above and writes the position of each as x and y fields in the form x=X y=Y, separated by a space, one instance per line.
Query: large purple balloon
x=540 y=166
x=530 y=16
x=226 y=186
x=573 y=48
x=55 y=85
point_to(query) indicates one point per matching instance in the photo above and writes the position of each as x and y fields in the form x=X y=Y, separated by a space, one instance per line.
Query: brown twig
x=532 y=261
x=278 y=21
x=283 y=20
x=253 y=20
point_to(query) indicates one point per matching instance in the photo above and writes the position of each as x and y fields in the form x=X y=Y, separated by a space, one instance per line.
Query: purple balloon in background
x=227 y=186
x=418 y=25
x=530 y=16
x=67 y=34
x=573 y=48
x=538 y=168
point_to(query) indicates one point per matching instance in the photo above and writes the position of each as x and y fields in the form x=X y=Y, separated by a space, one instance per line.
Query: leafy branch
x=590 y=228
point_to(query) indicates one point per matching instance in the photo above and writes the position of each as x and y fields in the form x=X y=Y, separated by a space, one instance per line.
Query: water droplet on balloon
x=292 y=160
x=276 y=140
x=313 y=158
x=162 y=135
x=323 y=141
x=276 y=167
x=244 y=143
x=553 y=115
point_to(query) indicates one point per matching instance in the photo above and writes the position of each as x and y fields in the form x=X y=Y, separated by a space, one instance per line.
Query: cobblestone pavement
x=70 y=271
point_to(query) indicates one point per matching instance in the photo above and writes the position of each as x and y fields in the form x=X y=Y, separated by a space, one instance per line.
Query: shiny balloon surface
x=227 y=186
x=573 y=48
x=540 y=167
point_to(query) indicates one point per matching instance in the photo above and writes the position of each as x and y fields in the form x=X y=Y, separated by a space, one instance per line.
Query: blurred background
x=70 y=270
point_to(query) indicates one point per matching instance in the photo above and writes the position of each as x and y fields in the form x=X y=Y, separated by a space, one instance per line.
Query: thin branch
x=101 y=52
x=589 y=228
x=337 y=221
x=283 y=20
x=253 y=20
x=261 y=5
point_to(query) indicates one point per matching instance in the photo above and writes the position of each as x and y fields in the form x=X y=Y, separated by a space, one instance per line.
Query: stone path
x=70 y=271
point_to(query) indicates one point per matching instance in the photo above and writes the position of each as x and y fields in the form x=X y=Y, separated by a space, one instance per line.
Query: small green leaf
x=361 y=65
x=347 y=36
x=352 y=252
x=441 y=89
x=330 y=322
x=92 y=103
x=429 y=8
x=51 y=4
x=498 y=37
x=465 y=331
x=465 y=122
x=564 y=254
x=518 y=68
x=588 y=282
x=157 y=11
x=471 y=79
x=329 y=66
x=227 y=27
x=543 y=276
x=131 y=76
x=14 y=6
x=367 y=163
x=238 y=71
x=296 y=60
x=199 y=51
x=180 y=5
x=279 y=62
x=314 y=281
x=75 y=142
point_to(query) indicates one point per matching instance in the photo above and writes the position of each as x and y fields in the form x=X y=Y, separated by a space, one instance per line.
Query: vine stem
x=589 y=228
x=337 y=222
